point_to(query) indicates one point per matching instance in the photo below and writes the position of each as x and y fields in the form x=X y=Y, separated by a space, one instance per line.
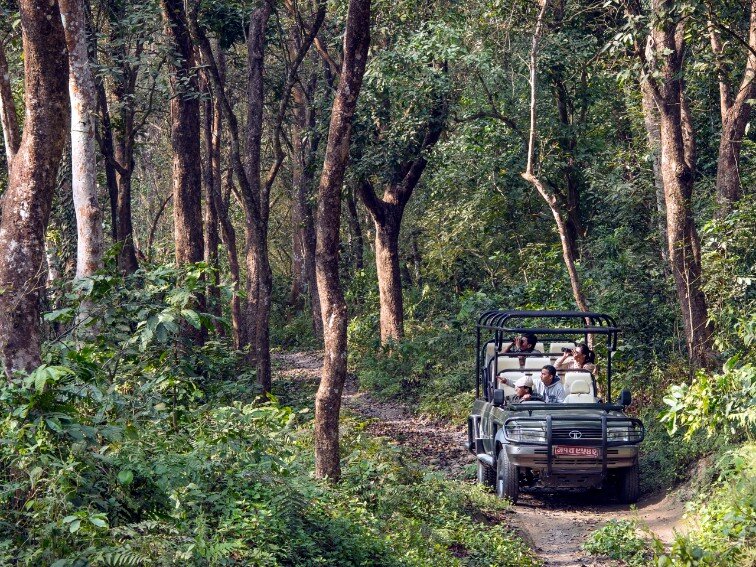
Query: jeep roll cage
x=505 y=324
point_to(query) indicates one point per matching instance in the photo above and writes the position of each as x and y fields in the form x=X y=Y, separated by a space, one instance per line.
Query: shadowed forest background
x=191 y=188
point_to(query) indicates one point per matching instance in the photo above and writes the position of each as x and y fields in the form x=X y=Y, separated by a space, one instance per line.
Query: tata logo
x=575 y=434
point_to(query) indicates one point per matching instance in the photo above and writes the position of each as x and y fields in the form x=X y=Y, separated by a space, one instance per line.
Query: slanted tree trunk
x=33 y=171
x=736 y=112
x=8 y=119
x=387 y=213
x=81 y=88
x=568 y=247
x=333 y=306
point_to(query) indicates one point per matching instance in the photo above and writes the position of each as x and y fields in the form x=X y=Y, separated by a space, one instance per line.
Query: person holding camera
x=524 y=343
x=579 y=358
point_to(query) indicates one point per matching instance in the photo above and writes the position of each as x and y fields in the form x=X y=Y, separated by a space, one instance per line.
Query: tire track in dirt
x=554 y=524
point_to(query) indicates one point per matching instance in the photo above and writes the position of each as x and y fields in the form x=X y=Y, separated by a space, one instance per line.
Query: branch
x=321 y=49
x=201 y=40
x=373 y=204
x=533 y=75
x=291 y=80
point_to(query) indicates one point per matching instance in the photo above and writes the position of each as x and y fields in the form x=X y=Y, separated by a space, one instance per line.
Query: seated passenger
x=524 y=390
x=579 y=358
x=525 y=343
x=550 y=387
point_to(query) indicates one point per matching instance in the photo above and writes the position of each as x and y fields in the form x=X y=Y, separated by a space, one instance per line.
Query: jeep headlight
x=618 y=434
x=526 y=433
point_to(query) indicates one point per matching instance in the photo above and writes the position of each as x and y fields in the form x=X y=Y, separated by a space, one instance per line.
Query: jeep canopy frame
x=506 y=324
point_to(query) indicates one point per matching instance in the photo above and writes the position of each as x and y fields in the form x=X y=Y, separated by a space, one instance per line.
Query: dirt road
x=555 y=525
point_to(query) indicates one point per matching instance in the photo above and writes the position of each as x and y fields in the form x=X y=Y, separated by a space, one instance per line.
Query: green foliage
x=723 y=517
x=127 y=448
x=723 y=404
x=619 y=539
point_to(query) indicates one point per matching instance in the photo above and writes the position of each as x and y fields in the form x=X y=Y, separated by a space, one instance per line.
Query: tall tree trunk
x=677 y=169
x=389 y=278
x=26 y=204
x=333 y=306
x=305 y=143
x=185 y=139
x=736 y=112
x=8 y=119
x=227 y=232
x=568 y=246
x=259 y=277
x=387 y=213
x=185 y=143
x=81 y=88
x=210 y=172
x=653 y=141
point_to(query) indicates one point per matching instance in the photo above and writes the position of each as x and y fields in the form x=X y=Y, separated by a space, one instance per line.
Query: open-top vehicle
x=586 y=441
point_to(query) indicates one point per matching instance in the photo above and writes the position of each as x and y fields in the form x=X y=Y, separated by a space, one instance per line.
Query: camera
x=566 y=349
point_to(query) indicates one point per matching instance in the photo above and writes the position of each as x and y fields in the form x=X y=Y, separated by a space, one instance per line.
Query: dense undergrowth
x=126 y=448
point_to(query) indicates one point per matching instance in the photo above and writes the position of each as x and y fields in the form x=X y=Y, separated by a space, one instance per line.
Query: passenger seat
x=580 y=393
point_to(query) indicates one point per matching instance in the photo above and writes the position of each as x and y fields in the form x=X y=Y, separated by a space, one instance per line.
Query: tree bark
x=387 y=213
x=185 y=138
x=333 y=306
x=389 y=277
x=568 y=247
x=32 y=178
x=123 y=137
x=653 y=140
x=677 y=169
x=210 y=172
x=81 y=88
x=736 y=112
x=259 y=277
x=8 y=119
x=357 y=241
x=305 y=142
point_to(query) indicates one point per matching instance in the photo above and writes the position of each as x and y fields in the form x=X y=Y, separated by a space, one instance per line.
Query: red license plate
x=576 y=451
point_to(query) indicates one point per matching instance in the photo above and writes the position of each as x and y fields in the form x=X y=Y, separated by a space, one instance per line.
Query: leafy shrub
x=723 y=517
x=722 y=405
x=619 y=539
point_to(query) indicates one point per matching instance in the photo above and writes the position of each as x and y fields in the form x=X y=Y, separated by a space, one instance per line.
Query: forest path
x=554 y=525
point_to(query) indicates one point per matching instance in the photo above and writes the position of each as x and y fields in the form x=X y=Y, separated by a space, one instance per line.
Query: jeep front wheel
x=507 y=481
x=486 y=475
x=629 y=485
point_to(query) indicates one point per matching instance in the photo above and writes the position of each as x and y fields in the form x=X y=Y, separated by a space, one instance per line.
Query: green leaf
x=99 y=520
x=126 y=477
x=74 y=526
x=192 y=318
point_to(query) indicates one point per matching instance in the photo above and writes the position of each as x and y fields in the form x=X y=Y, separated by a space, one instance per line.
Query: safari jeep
x=586 y=441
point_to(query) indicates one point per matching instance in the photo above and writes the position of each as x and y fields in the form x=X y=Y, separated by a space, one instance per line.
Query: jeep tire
x=507 y=481
x=486 y=475
x=628 y=485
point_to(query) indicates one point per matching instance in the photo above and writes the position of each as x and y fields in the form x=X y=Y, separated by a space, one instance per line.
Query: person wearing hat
x=524 y=390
